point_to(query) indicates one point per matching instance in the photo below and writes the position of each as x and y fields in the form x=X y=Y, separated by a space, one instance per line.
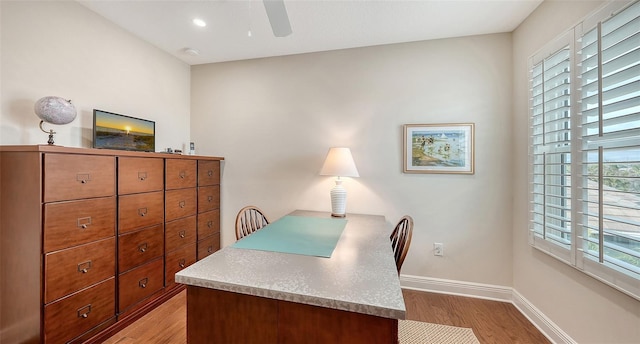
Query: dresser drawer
x=74 y=176
x=208 y=172
x=72 y=269
x=136 y=175
x=180 y=232
x=74 y=223
x=74 y=315
x=140 y=210
x=178 y=260
x=208 y=245
x=208 y=198
x=180 y=203
x=137 y=284
x=180 y=173
x=138 y=247
x=208 y=223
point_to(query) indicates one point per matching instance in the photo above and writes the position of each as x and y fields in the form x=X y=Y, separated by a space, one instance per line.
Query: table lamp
x=339 y=163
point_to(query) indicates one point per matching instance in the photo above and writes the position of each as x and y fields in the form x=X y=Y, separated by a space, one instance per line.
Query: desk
x=249 y=296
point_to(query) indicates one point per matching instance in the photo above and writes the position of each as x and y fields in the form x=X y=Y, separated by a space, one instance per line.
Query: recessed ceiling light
x=191 y=51
x=199 y=22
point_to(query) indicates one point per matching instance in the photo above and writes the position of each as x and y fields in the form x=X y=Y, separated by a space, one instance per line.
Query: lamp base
x=338 y=200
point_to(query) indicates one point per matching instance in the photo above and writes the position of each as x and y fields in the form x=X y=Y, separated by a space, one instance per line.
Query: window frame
x=574 y=255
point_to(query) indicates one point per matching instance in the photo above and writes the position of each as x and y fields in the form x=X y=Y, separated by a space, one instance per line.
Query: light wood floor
x=491 y=321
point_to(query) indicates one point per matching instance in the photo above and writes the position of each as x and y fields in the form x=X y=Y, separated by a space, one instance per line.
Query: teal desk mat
x=310 y=236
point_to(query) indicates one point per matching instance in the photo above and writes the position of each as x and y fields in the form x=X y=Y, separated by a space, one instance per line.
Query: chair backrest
x=249 y=220
x=401 y=239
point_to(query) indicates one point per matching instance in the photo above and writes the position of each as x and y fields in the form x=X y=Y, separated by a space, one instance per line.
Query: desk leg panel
x=300 y=323
x=215 y=316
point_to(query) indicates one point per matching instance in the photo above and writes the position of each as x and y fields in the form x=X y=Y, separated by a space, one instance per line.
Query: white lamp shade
x=339 y=162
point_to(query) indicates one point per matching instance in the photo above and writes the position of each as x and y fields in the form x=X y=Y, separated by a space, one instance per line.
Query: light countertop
x=360 y=276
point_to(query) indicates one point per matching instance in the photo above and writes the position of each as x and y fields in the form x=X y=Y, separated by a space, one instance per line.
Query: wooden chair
x=249 y=220
x=401 y=239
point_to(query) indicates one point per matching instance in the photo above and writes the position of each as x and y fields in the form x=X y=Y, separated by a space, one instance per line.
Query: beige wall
x=274 y=120
x=61 y=48
x=586 y=309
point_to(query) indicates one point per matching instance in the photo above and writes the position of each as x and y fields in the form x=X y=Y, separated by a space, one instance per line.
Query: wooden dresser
x=91 y=239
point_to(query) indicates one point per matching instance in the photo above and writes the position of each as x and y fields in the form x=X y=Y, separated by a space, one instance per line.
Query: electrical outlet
x=438 y=249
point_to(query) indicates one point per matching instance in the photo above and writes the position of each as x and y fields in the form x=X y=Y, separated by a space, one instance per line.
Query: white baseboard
x=451 y=287
x=539 y=320
x=489 y=292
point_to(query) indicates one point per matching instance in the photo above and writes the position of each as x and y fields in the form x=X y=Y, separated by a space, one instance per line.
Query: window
x=585 y=147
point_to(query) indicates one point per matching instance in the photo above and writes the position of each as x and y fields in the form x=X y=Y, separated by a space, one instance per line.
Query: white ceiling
x=318 y=25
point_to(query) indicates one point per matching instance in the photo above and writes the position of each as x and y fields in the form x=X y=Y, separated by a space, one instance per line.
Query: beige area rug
x=417 y=332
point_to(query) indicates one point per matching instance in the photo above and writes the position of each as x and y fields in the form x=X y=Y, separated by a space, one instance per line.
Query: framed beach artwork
x=439 y=148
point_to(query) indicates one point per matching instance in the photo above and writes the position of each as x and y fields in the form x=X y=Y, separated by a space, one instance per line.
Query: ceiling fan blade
x=278 y=17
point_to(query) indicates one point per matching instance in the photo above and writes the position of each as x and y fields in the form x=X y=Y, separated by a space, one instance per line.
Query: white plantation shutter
x=585 y=147
x=551 y=136
x=610 y=92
